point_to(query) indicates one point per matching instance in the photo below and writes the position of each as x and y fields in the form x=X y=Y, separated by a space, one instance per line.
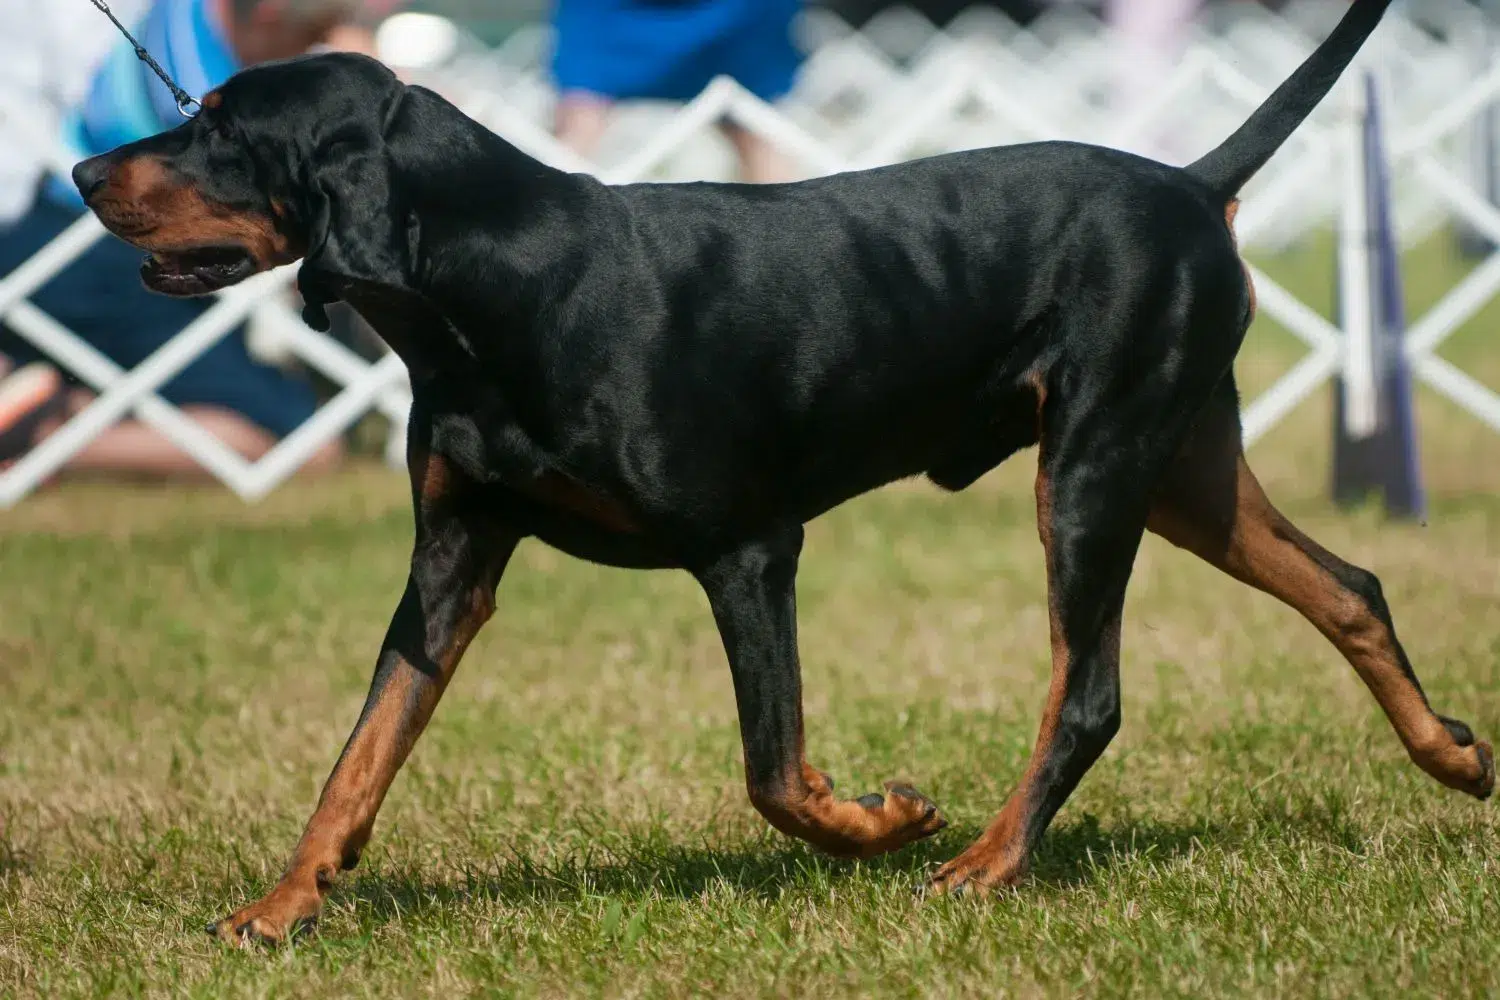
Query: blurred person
x=615 y=50
x=48 y=54
x=1151 y=35
x=246 y=404
x=357 y=33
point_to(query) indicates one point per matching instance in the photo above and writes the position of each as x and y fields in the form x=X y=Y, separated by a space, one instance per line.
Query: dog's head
x=284 y=161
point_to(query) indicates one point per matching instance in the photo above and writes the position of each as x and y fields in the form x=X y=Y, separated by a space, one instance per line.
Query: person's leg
x=132 y=449
x=1150 y=37
x=760 y=161
x=590 y=60
x=762 y=58
x=29 y=397
x=580 y=121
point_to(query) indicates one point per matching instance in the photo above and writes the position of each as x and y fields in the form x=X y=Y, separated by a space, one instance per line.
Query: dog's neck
x=494 y=237
x=481 y=239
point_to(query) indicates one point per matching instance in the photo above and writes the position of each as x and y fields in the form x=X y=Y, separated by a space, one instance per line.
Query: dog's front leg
x=752 y=591
x=450 y=593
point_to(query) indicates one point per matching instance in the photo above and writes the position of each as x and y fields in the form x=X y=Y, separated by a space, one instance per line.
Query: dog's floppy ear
x=355 y=225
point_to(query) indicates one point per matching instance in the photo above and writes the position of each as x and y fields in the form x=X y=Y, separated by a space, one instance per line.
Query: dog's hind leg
x=450 y=593
x=1211 y=504
x=752 y=592
x=1092 y=494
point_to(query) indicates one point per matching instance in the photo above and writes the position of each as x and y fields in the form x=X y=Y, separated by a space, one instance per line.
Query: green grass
x=178 y=671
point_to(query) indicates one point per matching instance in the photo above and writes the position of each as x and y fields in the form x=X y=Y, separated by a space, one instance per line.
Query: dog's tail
x=1233 y=163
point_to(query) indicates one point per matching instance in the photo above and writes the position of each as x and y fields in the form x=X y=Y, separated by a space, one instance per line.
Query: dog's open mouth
x=197 y=271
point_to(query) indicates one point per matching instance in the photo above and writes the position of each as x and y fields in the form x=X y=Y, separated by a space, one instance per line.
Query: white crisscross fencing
x=897 y=89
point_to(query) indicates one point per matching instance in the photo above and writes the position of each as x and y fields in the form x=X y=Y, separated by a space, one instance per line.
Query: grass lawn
x=179 y=670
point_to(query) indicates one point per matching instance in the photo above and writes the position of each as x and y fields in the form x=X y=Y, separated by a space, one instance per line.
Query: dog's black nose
x=90 y=175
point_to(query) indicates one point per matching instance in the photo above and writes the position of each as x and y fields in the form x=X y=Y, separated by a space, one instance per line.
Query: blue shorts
x=671 y=49
x=100 y=297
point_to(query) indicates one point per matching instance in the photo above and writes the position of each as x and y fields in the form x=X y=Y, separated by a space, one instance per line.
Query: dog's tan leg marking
x=1232 y=525
x=449 y=596
x=806 y=808
x=1001 y=855
x=752 y=591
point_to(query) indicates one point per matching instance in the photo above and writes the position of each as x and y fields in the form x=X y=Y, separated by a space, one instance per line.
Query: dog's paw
x=1486 y=783
x=963 y=881
x=982 y=869
x=1456 y=758
x=905 y=817
x=257 y=931
x=1467 y=764
x=275 y=920
x=919 y=813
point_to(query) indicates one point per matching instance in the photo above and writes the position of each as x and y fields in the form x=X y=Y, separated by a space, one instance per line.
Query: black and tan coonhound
x=682 y=375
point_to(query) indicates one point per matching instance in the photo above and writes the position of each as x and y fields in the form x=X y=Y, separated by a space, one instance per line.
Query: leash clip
x=183 y=98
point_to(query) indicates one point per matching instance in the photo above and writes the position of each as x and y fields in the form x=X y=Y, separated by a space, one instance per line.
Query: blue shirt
x=127 y=101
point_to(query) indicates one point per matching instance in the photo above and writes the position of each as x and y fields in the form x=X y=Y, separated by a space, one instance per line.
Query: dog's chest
x=487 y=446
x=467 y=421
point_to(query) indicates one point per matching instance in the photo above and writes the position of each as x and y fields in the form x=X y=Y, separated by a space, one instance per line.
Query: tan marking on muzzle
x=146 y=203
